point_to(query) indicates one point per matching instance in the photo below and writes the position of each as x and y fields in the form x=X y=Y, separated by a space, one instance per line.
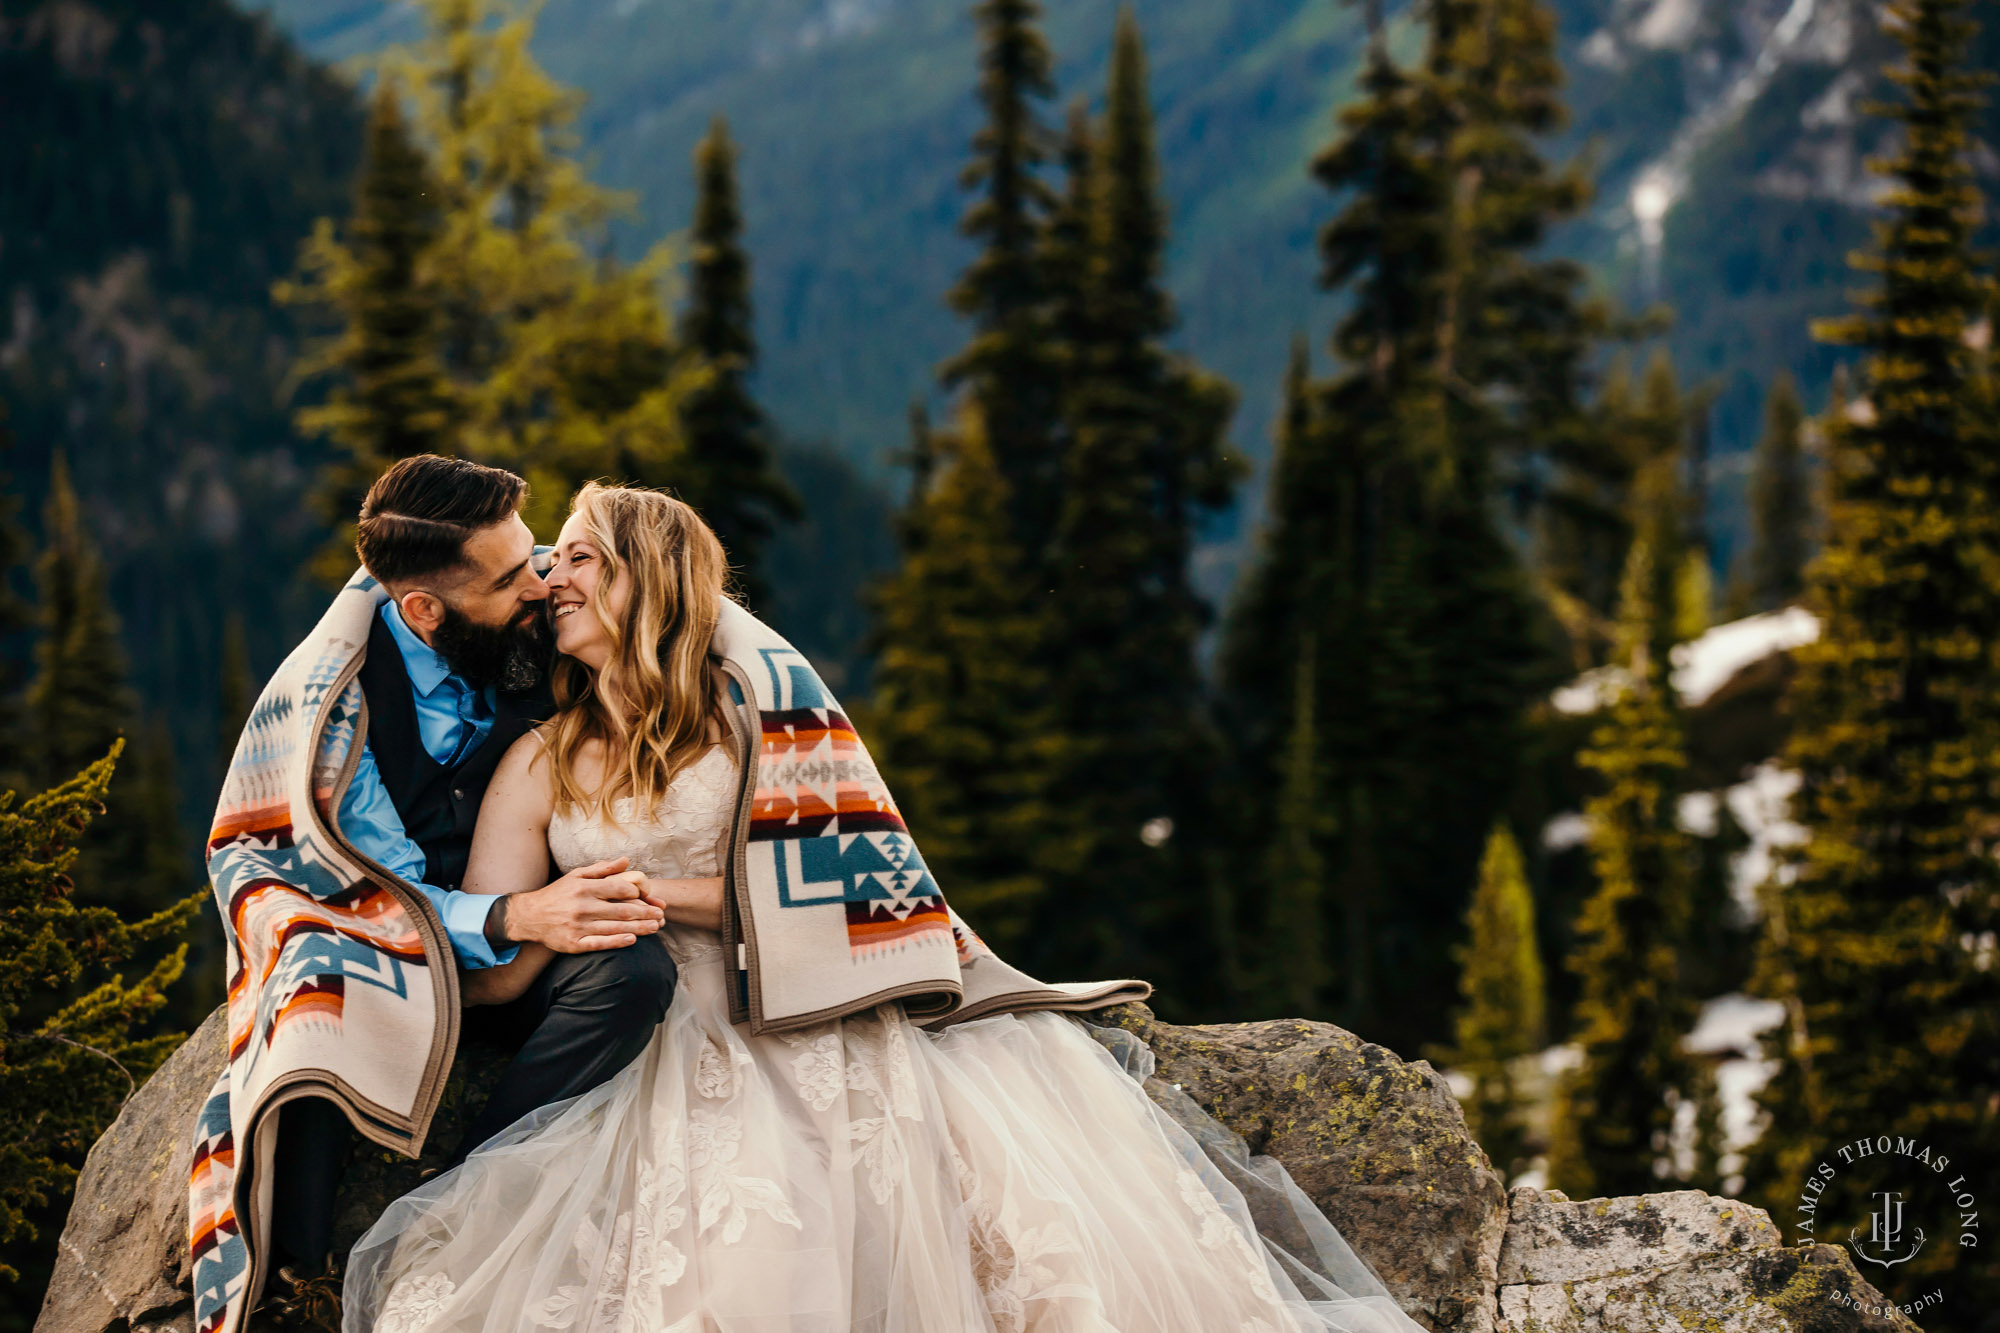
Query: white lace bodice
x=680 y=839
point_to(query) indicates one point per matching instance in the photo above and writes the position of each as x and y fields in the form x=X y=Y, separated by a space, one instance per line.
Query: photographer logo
x=1884 y=1239
x=1885 y=1233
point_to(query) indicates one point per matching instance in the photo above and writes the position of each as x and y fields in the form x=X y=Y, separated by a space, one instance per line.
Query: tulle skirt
x=1007 y=1174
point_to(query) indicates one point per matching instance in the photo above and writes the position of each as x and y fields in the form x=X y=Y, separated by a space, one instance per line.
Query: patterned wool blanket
x=341 y=979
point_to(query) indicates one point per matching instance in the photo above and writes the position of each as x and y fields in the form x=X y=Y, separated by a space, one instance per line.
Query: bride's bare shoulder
x=525 y=775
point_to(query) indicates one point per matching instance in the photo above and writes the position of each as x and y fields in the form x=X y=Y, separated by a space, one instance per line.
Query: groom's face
x=487 y=618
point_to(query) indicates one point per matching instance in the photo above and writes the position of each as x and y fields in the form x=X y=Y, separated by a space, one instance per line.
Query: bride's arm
x=510 y=854
x=689 y=902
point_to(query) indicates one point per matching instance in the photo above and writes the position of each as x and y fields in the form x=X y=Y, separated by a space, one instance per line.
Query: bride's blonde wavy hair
x=651 y=704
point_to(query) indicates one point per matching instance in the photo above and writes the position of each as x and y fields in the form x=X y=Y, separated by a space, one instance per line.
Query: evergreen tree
x=1009 y=364
x=1614 y=1113
x=1383 y=536
x=77 y=702
x=1709 y=1139
x=1895 y=709
x=960 y=707
x=390 y=398
x=1147 y=458
x=15 y=613
x=1780 y=501
x=1297 y=944
x=557 y=361
x=1501 y=1016
x=71 y=1049
x=730 y=474
x=236 y=693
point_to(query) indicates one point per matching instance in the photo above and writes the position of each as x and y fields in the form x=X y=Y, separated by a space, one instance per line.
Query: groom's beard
x=513 y=656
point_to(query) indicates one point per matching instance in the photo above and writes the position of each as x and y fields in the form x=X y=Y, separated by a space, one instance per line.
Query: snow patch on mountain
x=1701 y=666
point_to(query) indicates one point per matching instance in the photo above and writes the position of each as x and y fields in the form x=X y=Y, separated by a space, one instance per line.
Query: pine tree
x=77 y=702
x=1614 y=1113
x=960 y=707
x=1501 y=1017
x=1780 y=501
x=71 y=1043
x=1148 y=457
x=1710 y=1141
x=730 y=474
x=1895 y=709
x=1009 y=364
x=390 y=398
x=1383 y=537
x=15 y=613
x=235 y=693
x=1297 y=943
x=557 y=361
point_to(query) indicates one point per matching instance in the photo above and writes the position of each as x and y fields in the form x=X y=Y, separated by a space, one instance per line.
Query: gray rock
x=1667 y=1263
x=1377 y=1142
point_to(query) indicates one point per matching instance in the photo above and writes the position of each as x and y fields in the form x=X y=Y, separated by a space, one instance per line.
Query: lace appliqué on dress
x=721 y=1193
x=415 y=1303
x=1219 y=1232
x=1010 y=1266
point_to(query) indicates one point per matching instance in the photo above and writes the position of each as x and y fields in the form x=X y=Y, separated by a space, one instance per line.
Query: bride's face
x=581 y=600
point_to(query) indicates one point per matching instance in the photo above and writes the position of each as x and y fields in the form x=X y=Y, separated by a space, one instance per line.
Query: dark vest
x=438 y=804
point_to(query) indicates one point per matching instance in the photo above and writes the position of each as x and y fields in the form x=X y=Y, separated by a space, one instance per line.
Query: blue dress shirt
x=452 y=718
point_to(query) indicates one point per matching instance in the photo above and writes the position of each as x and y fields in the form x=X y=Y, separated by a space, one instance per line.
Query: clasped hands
x=605 y=905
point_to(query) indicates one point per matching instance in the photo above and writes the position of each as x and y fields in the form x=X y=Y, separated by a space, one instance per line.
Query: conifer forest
x=1475 y=521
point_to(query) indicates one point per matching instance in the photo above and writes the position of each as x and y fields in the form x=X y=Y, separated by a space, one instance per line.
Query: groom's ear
x=422 y=611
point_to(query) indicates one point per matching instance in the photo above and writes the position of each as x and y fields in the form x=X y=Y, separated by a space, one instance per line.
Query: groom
x=455 y=673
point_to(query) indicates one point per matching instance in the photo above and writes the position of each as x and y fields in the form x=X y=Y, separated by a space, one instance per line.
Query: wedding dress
x=1009 y=1174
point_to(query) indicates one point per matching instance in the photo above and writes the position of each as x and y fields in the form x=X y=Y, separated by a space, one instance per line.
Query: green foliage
x=1501 y=1015
x=390 y=398
x=729 y=473
x=70 y=1049
x=960 y=711
x=154 y=192
x=1781 y=502
x=236 y=692
x=558 y=361
x=1457 y=364
x=1880 y=927
x=1615 y=1111
x=1296 y=946
x=1146 y=457
x=15 y=613
x=77 y=703
x=1008 y=364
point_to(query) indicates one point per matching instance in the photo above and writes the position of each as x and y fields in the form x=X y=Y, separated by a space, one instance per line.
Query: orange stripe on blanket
x=261 y=819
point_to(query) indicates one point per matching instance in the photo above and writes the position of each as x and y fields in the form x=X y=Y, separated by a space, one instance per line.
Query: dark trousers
x=586 y=1017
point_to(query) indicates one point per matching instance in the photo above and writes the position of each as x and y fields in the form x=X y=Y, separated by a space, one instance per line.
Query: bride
x=1007 y=1172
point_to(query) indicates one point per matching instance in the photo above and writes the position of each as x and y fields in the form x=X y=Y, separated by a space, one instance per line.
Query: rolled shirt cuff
x=465 y=923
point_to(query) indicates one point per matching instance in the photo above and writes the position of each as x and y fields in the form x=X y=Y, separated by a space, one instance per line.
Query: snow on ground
x=1731 y=1026
x=1761 y=804
x=1701 y=666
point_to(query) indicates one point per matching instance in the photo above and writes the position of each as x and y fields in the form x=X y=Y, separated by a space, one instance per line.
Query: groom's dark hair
x=418 y=514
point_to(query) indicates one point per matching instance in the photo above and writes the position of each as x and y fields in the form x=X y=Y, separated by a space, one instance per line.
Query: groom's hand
x=601 y=906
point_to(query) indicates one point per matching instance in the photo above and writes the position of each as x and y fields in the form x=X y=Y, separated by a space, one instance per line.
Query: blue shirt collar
x=426 y=666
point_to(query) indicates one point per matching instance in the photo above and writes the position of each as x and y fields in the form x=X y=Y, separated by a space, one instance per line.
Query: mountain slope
x=854 y=116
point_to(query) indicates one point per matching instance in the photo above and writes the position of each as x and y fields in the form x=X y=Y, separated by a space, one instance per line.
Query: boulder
x=1377 y=1142
x=1670 y=1262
